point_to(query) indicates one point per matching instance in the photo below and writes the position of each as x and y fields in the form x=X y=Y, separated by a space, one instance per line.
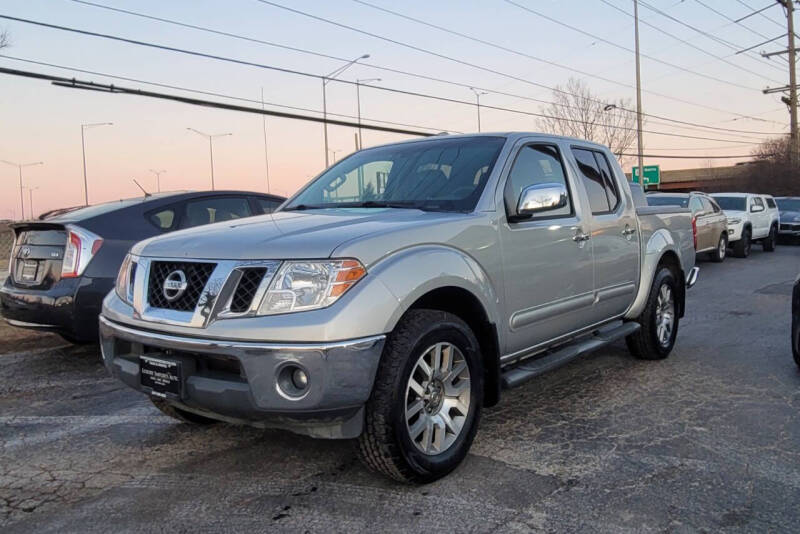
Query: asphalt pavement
x=707 y=440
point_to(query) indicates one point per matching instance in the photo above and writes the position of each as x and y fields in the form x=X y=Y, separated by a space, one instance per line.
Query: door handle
x=628 y=231
x=580 y=237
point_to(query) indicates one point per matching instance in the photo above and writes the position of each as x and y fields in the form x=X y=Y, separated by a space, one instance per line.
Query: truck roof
x=511 y=135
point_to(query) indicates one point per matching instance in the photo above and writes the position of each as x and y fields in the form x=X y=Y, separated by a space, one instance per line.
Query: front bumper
x=237 y=381
x=735 y=232
x=789 y=229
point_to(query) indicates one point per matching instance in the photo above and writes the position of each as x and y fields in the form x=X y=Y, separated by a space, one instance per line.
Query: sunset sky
x=41 y=122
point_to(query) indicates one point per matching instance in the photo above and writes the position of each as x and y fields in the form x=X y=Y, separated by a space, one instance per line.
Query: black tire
x=768 y=243
x=718 y=255
x=645 y=344
x=385 y=445
x=741 y=249
x=182 y=415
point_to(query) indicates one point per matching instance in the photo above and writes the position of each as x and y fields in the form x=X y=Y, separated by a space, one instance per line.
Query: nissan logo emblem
x=174 y=285
x=26 y=252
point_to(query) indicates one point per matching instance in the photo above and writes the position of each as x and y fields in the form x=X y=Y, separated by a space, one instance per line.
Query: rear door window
x=757 y=202
x=770 y=202
x=608 y=180
x=210 y=210
x=593 y=181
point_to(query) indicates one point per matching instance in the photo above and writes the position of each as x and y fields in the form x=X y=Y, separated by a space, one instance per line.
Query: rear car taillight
x=694 y=231
x=82 y=245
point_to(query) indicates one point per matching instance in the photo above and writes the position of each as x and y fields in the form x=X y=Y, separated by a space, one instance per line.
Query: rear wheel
x=182 y=415
x=718 y=256
x=425 y=405
x=769 y=242
x=659 y=319
x=741 y=249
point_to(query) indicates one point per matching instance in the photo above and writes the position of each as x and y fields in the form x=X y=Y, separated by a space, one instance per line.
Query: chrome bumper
x=238 y=381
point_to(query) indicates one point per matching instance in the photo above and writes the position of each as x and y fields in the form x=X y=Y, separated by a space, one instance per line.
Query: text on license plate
x=163 y=377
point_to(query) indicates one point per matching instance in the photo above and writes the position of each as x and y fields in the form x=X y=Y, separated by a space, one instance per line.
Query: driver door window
x=536 y=164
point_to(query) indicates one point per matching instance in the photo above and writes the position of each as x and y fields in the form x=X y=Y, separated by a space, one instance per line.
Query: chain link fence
x=6 y=242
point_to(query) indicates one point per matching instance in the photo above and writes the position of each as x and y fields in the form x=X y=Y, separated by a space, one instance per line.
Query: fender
x=659 y=244
x=412 y=272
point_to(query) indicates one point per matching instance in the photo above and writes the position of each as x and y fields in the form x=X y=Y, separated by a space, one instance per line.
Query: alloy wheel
x=437 y=399
x=665 y=315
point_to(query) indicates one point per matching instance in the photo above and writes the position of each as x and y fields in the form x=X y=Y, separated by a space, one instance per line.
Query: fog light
x=299 y=378
x=292 y=381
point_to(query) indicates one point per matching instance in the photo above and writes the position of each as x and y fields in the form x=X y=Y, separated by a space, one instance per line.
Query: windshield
x=668 y=201
x=788 y=204
x=732 y=203
x=438 y=175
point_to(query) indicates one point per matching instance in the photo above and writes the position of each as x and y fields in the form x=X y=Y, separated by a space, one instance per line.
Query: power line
x=695 y=126
x=751 y=8
x=212 y=93
x=338 y=80
x=115 y=89
x=687 y=43
x=622 y=47
x=208 y=93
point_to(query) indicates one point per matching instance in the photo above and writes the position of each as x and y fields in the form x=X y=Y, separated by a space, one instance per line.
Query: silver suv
x=400 y=292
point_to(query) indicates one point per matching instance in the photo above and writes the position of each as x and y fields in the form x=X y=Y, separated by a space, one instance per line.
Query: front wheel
x=769 y=242
x=741 y=249
x=659 y=319
x=425 y=405
x=718 y=256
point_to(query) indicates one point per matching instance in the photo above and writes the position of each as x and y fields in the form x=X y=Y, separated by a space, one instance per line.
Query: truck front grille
x=246 y=289
x=197 y=275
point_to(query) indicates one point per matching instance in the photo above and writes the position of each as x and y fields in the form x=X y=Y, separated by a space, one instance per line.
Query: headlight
x=310 y=285
x=124 y=285
x=734 y=221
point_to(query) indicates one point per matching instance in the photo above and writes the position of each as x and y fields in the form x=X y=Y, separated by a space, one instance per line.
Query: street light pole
x=30 y=200
x=325 y=80
x=158 y=178
x=358 y=106
x=478 y=95
x=210 y=148
x=83 y=149
x=19 y=167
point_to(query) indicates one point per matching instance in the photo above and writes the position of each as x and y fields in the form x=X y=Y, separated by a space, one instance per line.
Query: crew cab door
x=759 y=217
x=547 y=263
x=615 y=242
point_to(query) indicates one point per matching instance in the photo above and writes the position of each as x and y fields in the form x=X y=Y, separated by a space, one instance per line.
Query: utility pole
x=791 y=101
x=640 y=141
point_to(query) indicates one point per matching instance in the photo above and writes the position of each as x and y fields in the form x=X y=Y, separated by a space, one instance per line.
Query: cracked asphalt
x=707 y=440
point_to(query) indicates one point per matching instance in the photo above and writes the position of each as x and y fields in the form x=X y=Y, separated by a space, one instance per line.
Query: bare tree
x=5 y=39
x=576 y=112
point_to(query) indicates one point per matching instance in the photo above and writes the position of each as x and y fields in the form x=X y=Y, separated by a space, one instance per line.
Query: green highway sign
x=652 y=175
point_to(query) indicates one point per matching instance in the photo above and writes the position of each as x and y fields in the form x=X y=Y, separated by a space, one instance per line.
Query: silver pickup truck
x=398 y=293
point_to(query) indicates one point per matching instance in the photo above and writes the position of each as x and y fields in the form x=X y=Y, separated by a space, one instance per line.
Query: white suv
x=751 y=218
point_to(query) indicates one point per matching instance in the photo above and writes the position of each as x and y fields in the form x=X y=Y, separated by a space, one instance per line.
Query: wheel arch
x=661 y=249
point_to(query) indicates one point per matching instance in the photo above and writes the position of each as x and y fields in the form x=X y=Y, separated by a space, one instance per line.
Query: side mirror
x=756 y=209
x=541 y=198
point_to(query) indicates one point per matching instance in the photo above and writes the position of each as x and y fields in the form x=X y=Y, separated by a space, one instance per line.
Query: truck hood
x=286 y=235
x=790 y=216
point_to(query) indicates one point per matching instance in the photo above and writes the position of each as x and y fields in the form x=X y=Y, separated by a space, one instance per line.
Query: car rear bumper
x=69 y=306
x=240 y=381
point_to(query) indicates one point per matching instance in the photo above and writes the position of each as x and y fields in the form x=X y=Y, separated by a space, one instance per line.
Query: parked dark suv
x=63 y=265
